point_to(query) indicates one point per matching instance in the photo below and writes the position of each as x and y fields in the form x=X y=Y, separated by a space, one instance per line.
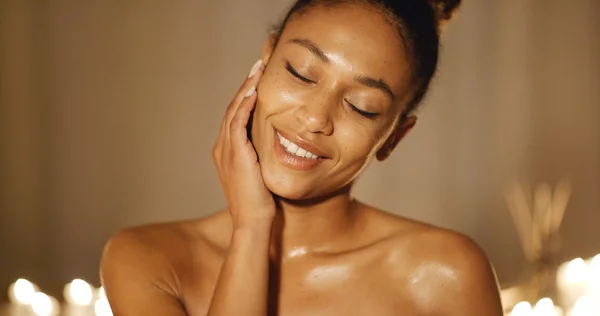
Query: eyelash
x=368 y=115
x=293 y=72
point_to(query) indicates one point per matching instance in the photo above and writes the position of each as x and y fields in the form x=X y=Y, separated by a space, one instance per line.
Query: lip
x=292 y=161
x=301 y=142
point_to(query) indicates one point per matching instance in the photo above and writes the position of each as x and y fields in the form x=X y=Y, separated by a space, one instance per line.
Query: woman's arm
x=242 y=287
x=473 y=287
x=137 y=278
x=449 y=275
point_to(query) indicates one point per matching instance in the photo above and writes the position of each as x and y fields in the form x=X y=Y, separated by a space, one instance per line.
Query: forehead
x=358 y=34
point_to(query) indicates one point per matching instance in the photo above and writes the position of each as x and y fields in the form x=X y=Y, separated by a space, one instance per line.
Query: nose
x=315 y=116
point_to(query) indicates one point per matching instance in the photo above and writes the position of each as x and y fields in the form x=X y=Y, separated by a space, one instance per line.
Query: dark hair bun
x=444 y=9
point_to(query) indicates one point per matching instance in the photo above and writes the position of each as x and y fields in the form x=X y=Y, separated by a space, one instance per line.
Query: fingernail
x=250 y=92
x=255 y=68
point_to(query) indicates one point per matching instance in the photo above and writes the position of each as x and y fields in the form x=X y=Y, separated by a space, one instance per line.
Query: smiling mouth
x=295 y=155
x=294 y=149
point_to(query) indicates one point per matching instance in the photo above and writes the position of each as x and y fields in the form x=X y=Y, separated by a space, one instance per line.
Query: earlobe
x=403 y=127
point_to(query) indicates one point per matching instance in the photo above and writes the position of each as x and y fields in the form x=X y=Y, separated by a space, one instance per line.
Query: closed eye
x=294 y=73
x=369 y=115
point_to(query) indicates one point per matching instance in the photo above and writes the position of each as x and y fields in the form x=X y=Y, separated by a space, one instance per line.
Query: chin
x=297 y=179
x=298 y=189
x=288 y=186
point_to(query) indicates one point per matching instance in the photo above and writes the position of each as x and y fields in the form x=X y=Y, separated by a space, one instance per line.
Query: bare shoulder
x=442 y=271
x=148 y=247
x=144 y=268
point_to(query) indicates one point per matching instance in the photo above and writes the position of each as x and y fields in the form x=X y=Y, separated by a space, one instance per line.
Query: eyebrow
x=367 y=81
x=377 y=84
x=313 y=48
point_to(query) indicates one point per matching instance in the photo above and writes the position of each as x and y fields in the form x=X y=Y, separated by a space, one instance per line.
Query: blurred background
x=109 y=111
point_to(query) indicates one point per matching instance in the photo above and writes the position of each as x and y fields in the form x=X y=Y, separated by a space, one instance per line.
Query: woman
x=335 y=87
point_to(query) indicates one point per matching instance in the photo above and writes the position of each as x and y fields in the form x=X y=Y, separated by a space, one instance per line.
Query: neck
x=302 y=227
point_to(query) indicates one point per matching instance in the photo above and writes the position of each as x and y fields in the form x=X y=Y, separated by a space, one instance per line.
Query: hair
x=419 y=23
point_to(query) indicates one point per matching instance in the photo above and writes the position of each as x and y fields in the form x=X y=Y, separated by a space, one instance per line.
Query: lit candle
x=101 y=306
x=78 y=292
x=545 y=307
x=44 y=305
x=20 y=295
x=522 y=309
x=584 y=306
x=79 y=297
x=21 y=292
x=573 y=281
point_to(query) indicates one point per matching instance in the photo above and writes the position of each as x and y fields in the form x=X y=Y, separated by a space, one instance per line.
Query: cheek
x=357 y=143
x=274 y=95
x=272 y=100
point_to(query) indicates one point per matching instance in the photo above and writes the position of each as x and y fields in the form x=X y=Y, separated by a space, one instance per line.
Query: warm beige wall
x=109 y=111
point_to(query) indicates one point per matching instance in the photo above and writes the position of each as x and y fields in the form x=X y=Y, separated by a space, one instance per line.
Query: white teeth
x=294 y=149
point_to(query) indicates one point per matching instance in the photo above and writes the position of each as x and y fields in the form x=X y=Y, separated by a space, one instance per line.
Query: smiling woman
x=335 y=88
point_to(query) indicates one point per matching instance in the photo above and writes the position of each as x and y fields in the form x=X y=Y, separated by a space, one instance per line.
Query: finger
x=240 y=97
x=238 y=132
x=251 y=81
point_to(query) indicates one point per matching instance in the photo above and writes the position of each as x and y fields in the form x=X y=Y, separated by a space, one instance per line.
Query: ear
x=268 y=49
x=404 y=126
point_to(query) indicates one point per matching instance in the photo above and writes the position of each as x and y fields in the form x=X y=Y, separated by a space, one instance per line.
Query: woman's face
x=329 y=100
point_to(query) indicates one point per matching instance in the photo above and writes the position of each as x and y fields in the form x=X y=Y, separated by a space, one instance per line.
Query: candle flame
x=42 y=304
x=544 y=307
x=522 y=309
x=102 y=308
x=22 y=292
x=576 y=270
x=583 y=307
x=79 y=292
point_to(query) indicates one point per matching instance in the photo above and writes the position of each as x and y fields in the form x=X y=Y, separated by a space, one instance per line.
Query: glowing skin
x=318 y=111
x=321 y=252
x=327 y=274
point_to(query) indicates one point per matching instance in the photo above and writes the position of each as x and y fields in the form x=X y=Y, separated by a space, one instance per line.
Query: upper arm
x=472 y=287
x=136 y=278
x=454 y=278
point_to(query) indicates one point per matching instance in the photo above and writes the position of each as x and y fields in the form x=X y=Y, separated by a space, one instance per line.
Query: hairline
x=389 y=18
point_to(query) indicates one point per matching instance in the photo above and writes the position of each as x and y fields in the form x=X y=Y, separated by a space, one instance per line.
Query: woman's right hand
x=249 y=201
